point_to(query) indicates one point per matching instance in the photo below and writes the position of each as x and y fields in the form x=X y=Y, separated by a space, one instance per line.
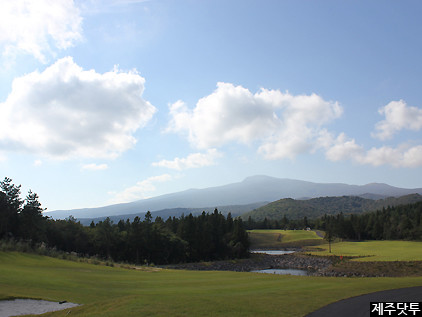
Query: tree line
x=185 y=239
x=285 y=223
x=403 y=222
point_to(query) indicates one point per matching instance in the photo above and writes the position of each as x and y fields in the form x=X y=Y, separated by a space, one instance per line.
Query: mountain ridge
x=235 y=210
x=253 y=189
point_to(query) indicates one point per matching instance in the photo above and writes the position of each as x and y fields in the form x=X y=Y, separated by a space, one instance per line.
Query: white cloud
x=284 y=125
x=194 y=160
x=66 y=112
x=343 y=148
x=141 y=190
x=95 y=167
x=38 y=27
x=101 y=6
x=229 y=114
x=37 y=163
x=398 y=116
x=402 y=156
x=126 y=2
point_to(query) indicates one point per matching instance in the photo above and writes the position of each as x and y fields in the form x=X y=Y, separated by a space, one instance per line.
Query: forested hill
x=316 y=207
x=403 y=222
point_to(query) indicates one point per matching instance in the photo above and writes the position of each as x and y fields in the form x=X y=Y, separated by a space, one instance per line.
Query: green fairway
x=112 y=291
x=376 y=250
x=275 y=239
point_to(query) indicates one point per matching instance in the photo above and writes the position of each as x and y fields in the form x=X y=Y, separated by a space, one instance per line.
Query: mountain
x=316 y=207
x=251 y=190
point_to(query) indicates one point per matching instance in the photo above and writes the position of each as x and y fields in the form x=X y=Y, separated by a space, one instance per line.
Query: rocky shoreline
x=259 y=261
x=314 y=265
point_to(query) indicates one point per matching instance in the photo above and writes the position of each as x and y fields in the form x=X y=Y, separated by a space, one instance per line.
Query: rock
x=260 y=262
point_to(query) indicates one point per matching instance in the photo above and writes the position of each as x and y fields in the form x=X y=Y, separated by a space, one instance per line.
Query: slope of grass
x=112 y=291
x=375 y=250
x=276 y=239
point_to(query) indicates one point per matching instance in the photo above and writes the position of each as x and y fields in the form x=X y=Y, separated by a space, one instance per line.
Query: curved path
x=359 y=306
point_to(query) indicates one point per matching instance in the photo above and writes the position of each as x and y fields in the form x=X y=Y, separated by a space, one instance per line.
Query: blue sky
x=113 y=101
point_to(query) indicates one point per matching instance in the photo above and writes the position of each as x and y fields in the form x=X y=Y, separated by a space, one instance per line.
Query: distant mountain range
x=252 y=190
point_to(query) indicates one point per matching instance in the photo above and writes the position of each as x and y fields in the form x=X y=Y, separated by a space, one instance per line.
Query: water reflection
x=283 y=271
x=273 y=252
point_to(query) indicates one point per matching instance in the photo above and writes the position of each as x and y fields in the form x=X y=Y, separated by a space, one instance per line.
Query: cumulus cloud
x=95 y=167
x=141 y=190
x=284 y=125
x=39 y=27
x=229 y=114
x=66 y=112
x=194 y=160
x=398 y=116
x=344 y=148
x=401 y=156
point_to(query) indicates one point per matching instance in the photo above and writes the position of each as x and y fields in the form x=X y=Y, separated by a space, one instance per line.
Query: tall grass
x=11 y=245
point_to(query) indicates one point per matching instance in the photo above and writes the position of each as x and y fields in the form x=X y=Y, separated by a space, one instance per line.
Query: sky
x=112 y=101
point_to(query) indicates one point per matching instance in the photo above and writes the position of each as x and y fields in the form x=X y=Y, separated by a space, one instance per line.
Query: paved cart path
x=359 y=306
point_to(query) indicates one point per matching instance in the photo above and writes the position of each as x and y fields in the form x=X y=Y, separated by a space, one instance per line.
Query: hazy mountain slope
x=235 y=210
x=251 y=190
x=316 y=207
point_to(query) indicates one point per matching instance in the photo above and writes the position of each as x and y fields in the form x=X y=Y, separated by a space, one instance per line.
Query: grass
x=375 y=250
x=113 y=291
x=379 y=268
x=276 y=239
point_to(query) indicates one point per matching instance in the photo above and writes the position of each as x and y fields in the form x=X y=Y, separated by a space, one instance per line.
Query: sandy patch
x=19 y=307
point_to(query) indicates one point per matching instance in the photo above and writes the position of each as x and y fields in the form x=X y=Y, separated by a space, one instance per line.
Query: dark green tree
x=12 y=193
x=329 y=235
x=31 y=220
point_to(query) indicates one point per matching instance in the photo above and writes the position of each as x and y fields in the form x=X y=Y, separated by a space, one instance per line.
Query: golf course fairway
x=276 y=239
x=114 y=291
x=374 y=250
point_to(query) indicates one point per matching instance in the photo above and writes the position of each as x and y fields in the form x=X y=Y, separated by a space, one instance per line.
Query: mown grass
x=276 y=239
x=113 y=291
x=379 y=268
x=374 y=250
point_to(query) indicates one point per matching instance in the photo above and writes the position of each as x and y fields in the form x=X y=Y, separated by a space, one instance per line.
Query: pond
x=272 y=252
x=283 y=272
x=18 y=307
